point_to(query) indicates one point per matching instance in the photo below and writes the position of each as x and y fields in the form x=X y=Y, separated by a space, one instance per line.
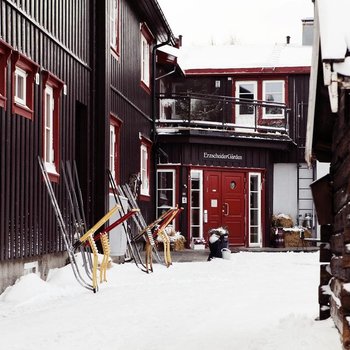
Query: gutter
x=153 y=115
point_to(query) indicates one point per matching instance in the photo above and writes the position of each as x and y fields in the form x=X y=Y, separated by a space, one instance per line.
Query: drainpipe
x=153 y=114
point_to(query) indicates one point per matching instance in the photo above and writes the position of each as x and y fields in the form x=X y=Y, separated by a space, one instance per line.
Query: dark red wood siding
x=56 y=36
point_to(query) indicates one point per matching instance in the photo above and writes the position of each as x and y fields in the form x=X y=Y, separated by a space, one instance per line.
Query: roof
x=329 y=62
x=334 y=29
x=246 y=56
x=155 y=18
x=225 y=59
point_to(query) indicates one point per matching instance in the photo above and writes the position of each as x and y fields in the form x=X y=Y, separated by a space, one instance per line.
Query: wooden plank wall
x=130 y=102
x=339 y=256
x=55 y=35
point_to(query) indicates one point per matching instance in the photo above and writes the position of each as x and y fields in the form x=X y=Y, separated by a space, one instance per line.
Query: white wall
x=285 y=190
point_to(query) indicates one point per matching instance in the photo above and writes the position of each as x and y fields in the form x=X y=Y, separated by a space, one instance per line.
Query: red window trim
x=56 y=84
x=31 y=68
x=5 y=52
x=117 y=123
x=148 y=144
x=147 y=32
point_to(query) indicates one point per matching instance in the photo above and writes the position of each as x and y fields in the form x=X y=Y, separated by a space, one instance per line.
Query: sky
x=237 y=21
x=253 y=301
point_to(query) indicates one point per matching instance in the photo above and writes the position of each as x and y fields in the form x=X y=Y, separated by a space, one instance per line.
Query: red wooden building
x=76 y=84
x=231 y=135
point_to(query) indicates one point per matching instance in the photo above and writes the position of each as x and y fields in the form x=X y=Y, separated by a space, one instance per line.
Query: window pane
x=165 y=197
x=246 y=90
x=253 y=217
x=195 y=184
x=195 y=217
x=165 y=180
x=165 y=190
x=246 y=109
x=254 y=234
x=254 y=183
x=195 y=199
x=20 y=87
x=274 y=93
x=195 y=232
x=253 y=200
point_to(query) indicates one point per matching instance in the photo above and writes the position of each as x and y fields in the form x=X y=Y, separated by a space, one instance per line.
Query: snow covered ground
x=253 y=301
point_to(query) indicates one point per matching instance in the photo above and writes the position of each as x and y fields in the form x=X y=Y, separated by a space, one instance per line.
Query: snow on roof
x=241 y=56
x=334 y=28
x=245 y=56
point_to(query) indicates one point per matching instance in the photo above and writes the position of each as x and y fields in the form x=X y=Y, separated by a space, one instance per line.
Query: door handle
x=226 y=209
x=205 y=216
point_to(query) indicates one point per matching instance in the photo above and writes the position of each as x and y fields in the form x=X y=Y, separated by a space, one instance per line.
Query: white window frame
x=49 y=155
x=144 y=170
x=145 y=60
x=20 y=74
x=200 y=208
x=259 y=226
x=114 y=23
x=112 y=147
x=255 y=92
x=273 y=116
x=171 y=189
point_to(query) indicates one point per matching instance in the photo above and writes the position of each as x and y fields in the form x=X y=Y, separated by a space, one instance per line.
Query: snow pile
x=254 y=301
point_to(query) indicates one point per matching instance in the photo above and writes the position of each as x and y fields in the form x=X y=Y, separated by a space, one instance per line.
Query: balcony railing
x=218 y=113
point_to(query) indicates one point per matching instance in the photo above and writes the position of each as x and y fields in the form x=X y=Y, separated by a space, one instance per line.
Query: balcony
x=221 y=116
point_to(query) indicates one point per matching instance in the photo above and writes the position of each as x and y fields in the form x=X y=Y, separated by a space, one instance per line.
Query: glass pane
x=195 y=199
x=195 y=184
x=273 y=87
x=195 y=232
x=253 y=200
x=274 y=110
x=253 y=217
x=195 y=175
x=165 y=180
x=254 y=235
x=246 y=109
x=195 y=217
x=161 y=211
x=20 y=87
x=165 y=197
x=254 y=183
x=246 y=89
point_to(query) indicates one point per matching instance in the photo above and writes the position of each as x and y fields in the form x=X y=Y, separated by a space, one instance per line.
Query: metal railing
x=194 y=110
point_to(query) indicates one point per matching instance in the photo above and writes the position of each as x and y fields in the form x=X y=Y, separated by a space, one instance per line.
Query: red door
x=224 y=194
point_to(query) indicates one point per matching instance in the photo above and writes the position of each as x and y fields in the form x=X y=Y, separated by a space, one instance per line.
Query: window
x=52 y=87
x=23 y=76
x=165 y=190
x=114 y=144
x=5 y=52
x=273 y=91
x=146 y=40
x=115 y=26
x=246 y=112
x=196 y=218
x=49 y=105
x=20 y=86
x=255 y=209
x=145 y=152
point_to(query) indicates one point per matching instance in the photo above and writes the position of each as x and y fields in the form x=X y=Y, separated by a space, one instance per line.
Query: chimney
x=288 y=39
x=308 y=31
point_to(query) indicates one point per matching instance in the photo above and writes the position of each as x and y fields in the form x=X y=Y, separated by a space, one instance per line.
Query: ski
x=63 y=229
x=135 y=254
x=78 y=223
